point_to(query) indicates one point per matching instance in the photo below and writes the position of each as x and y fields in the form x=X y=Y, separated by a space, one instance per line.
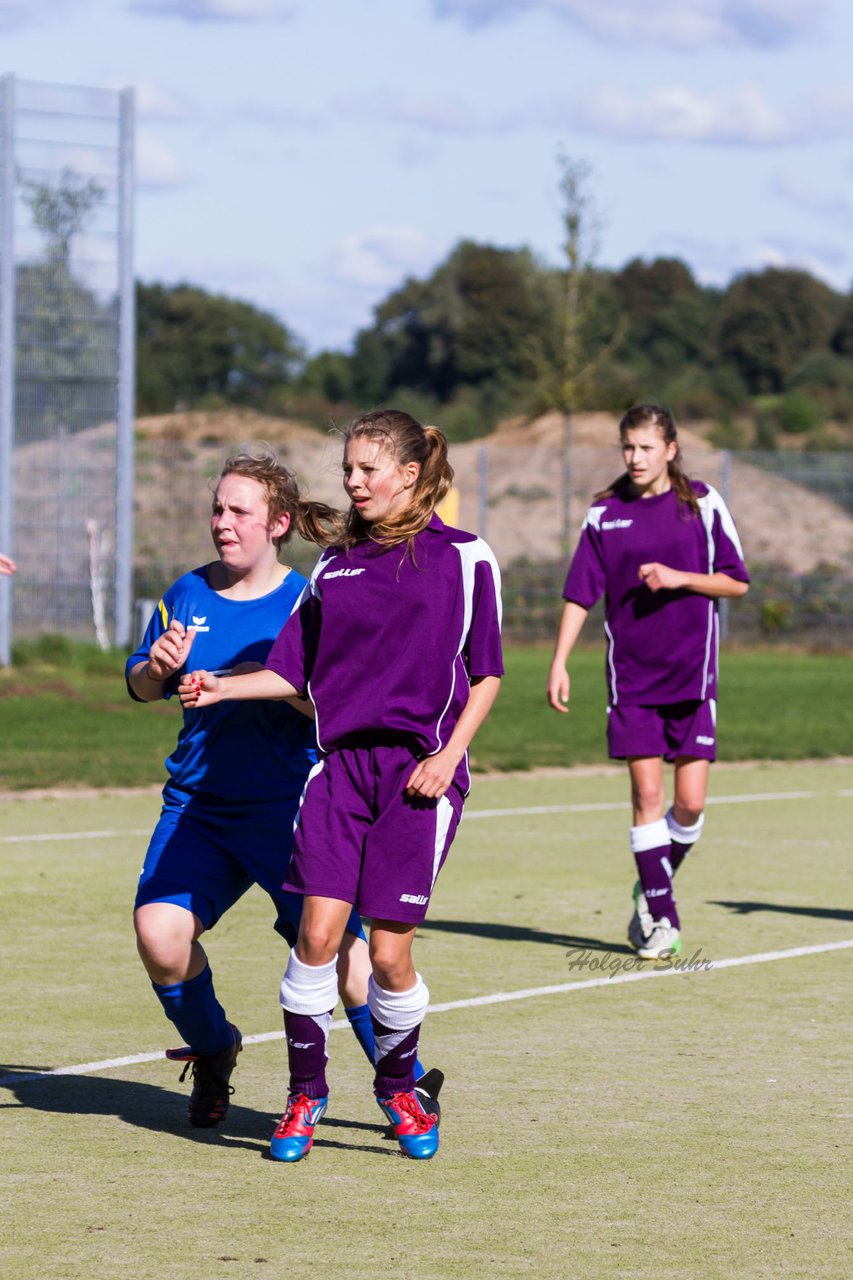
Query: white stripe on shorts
x=443 y=818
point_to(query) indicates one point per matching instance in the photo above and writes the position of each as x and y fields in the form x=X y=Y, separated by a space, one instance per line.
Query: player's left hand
x=432 y=776
x=660 y=576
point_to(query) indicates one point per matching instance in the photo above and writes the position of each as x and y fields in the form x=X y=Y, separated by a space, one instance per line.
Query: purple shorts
x=359 y=838
x=678 y=729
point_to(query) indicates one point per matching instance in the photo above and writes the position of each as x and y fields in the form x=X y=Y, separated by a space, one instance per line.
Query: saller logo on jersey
x=417 y=898
x=616 y=524
x=342 y=573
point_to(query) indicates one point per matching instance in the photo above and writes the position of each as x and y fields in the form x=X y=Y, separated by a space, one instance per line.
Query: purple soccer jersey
x=386 y=640
x=662 y=646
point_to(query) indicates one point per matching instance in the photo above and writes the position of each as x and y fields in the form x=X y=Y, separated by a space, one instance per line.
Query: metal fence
x=794 y=513
x=66 y=360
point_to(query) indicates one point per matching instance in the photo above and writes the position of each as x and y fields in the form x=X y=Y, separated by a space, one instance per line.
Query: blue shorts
x=205 y=853
x=672 y=731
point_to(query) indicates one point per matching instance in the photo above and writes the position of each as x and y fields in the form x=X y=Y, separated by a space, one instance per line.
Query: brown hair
x=313 y=521
x=408 y=441
x=652 y=415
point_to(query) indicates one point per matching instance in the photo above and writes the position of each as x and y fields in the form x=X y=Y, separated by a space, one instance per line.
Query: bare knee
x=392 y=966
x=647 y=799
x=318 y=942
x=687 y=815
x=166 y=941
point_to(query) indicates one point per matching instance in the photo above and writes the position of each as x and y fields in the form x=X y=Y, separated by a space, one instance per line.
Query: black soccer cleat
x=428 y=1088
x=208 y=1104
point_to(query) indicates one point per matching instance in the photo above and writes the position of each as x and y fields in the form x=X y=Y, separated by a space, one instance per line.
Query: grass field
x=67 y=719
x=679 y=1124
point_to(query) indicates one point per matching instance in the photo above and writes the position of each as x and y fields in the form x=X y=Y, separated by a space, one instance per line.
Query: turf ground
x=684 y=1123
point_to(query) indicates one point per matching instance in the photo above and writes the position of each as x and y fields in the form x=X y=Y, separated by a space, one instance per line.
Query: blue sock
x=194 y=1009
x=362 y=1025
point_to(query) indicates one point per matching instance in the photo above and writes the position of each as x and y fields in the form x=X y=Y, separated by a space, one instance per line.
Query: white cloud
x=737 y=116
x=381 y=257
x=158 y=167
x=832 y=208
x=679 y=24
x=15 y=14
x=215 y=10
x=439 y=115
x=153 y=100
x=717 y=263
x=677 y=113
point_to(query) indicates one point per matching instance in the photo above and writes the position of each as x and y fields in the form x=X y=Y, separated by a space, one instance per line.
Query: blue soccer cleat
x=294 y=1136
x=415 y=1128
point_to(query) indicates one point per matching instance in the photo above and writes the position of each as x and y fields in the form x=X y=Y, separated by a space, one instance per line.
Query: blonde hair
x=652 y=415
x=408 y=441
x=313 y=521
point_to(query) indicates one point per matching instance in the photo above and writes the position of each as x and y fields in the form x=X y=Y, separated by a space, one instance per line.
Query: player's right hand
x=170 y=650
x=558 y=689
x=199 y=689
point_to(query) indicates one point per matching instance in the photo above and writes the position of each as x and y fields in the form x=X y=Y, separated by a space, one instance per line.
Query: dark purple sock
x=655 y=878
x=306 y=1052
x=396 y=1055
x=677 y=853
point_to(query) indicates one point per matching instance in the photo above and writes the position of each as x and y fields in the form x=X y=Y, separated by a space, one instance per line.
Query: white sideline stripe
x=498 y=997
x=470 y=816
x=603 y=806
x=76 y=835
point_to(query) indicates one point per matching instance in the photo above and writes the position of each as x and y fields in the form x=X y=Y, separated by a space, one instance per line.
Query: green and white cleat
x=641 y=923
x=663 y=942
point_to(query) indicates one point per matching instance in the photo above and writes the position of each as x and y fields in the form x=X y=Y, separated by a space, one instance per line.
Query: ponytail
x=314 y=521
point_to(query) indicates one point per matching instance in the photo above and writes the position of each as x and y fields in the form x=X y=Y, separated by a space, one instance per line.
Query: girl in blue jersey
x=237 y=771
x=662 y=549
x=397 y=643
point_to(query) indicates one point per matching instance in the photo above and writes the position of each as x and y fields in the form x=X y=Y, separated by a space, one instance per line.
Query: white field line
x=471 y=815
x=498 y=997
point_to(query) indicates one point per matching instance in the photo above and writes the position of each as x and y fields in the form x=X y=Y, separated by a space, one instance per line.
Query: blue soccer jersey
x=245 y=751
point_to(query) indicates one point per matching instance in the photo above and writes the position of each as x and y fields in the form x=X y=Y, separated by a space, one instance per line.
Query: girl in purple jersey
x=237 y=772
x=662 y=549
x=397 y=643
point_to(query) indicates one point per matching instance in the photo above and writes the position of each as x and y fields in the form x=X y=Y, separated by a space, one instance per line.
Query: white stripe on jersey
x=470 y=555
x=711 y=504
x=611 y=644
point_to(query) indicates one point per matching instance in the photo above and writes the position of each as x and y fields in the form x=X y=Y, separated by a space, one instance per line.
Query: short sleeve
x=726 y=551
x=483 y=650
x=295 y=649
x=585 y=580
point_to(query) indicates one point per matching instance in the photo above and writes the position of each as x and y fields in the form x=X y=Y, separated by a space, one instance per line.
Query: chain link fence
x=66 y=359
x=794 y=513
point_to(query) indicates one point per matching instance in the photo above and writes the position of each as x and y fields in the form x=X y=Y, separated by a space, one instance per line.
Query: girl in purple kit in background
x=662 y=549
x=397 y=643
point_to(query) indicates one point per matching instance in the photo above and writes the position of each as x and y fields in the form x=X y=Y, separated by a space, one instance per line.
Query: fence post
x=7 y=356
x=126 y=380
x=483 y=491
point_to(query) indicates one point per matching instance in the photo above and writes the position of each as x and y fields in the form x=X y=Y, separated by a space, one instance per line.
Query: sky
x=309 y=155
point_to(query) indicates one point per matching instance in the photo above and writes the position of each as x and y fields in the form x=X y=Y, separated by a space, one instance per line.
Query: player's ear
x=411 y=471
x=280 y=526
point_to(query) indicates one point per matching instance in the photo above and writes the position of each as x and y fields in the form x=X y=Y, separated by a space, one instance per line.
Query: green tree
x=769 y=320
x=197 y=348
x=66 y=358
x=481 y=318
